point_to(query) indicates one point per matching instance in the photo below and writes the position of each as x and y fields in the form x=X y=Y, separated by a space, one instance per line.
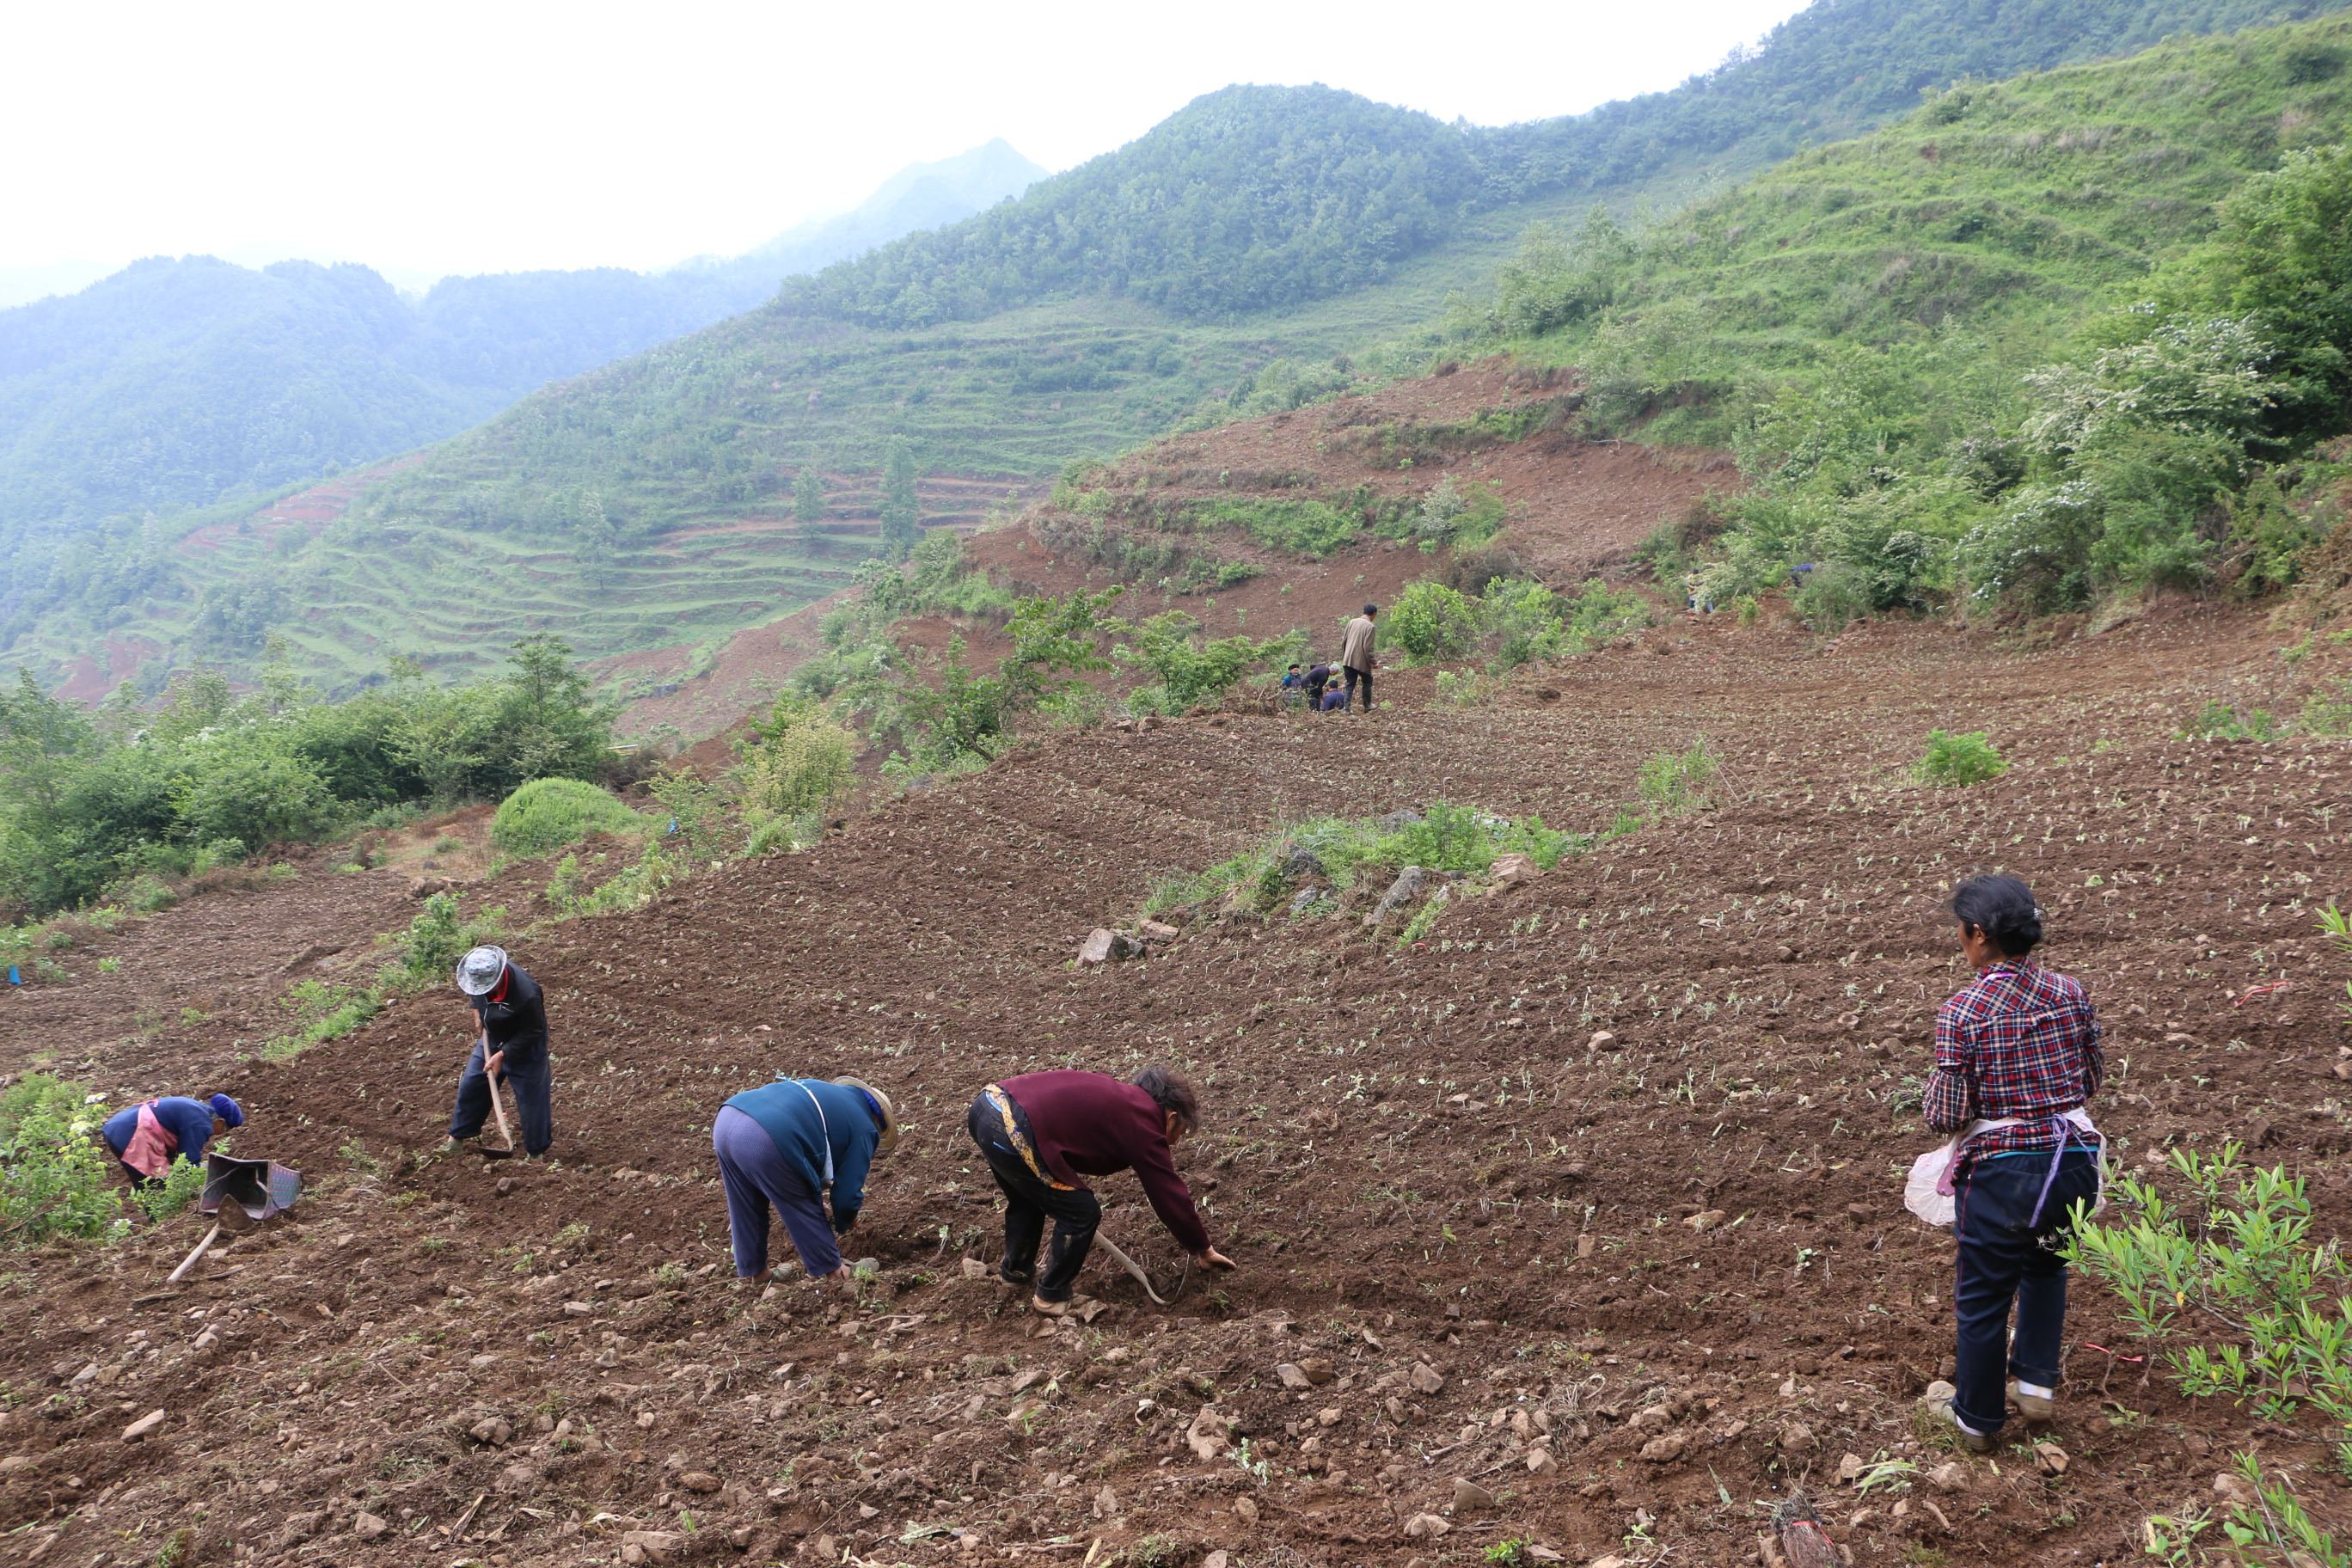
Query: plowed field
x=1487 y=1243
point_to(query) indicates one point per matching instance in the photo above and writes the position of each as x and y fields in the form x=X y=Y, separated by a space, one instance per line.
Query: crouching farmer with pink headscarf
x=792 y=1143
x=148 y=1137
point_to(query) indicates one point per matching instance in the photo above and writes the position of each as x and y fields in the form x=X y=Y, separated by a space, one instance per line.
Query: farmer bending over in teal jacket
x=792 y=1143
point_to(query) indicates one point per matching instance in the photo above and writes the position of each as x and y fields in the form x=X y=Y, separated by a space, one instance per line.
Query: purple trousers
x=757 y=1176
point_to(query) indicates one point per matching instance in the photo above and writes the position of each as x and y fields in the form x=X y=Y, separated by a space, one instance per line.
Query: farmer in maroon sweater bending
x=1042 y=1131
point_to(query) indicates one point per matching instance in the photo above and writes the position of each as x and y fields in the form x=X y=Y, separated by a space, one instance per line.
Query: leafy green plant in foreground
x=53 y=1181
x=2247 y=1304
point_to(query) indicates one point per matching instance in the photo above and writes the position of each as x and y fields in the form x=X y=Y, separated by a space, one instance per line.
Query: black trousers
x=1076 y=1212
x=1354 y=675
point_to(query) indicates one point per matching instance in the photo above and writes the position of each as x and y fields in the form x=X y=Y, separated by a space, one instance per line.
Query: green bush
x=1430 y=620
x=54 y=1177
x=547 y=814
x=1460 y=838
x=1602 y=613
x=1188 y=668
x=428 y=951
x=2256 y=1309
x=800 y=763
x=1832 y=597
x=1959 y=760
x=1673 y=783
x=1524 y=618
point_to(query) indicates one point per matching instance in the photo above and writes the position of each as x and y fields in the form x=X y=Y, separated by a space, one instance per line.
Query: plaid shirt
x=2017 y=1041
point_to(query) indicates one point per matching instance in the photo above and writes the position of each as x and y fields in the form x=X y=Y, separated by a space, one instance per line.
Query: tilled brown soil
x=1465 y=1226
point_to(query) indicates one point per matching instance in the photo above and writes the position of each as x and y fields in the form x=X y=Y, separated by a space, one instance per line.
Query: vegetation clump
x=53 y=1181
x=88 y=800
x=547 y=814
x=1959 y=759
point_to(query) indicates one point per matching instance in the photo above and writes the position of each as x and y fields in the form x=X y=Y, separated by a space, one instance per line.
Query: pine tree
x=902 y=517
x=808 y=506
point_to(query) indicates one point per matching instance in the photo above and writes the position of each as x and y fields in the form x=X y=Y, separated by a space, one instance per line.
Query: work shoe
x=1050 y=1309
x=2033 y=1406
x=448 y=1146
x=1975 y=1442
x=1019 y=1278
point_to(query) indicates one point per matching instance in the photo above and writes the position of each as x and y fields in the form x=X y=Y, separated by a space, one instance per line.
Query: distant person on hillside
x=1042 y=1131
x=1318 y=677
x=792 y=1144
x=2016 y=1053
x=1335 y=697
x=149 y=1136
x=1294 y=689
x=510 y=1014
x=1356 y=654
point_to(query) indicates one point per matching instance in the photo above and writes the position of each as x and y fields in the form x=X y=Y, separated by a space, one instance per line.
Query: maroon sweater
x=1091 y=1124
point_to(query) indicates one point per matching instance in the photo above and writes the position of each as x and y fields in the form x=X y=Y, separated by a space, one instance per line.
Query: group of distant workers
x=1319 y=689
x=2016 y=1053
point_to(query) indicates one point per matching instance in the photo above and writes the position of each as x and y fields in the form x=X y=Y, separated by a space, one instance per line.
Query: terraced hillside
x=1101 y=341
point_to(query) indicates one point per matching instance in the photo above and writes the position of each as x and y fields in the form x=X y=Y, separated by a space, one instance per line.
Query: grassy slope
x=2022 y=213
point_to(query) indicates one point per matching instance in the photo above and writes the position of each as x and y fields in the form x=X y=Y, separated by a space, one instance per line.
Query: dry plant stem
x=1124 y=1261
x=190 y=1261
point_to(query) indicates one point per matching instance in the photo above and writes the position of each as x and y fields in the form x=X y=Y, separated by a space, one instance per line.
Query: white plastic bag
x=1920 y=1193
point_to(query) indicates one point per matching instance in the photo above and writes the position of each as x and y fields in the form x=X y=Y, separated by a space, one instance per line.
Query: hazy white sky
x=490 y=136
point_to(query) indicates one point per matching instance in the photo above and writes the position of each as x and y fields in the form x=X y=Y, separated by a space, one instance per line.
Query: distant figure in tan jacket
x=1356 y=654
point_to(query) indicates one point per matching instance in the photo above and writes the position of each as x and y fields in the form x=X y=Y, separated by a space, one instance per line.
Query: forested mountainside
x=177 y=381
x=1253 y=198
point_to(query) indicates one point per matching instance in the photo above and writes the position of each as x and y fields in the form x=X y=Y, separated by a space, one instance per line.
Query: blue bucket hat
x=478 y=970
x=228 y=1110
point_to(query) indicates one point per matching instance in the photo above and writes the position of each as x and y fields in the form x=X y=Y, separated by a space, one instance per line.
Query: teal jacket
x=848 y=1129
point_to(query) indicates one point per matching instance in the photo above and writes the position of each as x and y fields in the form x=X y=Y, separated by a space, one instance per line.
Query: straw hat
x=890 y=1114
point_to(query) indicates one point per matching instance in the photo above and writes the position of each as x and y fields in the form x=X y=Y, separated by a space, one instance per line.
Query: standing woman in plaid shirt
x=2017 y=1053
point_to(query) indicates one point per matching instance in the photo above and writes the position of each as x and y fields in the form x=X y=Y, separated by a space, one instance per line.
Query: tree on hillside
x=902 y=524
x=547 y=721
x=808 y=508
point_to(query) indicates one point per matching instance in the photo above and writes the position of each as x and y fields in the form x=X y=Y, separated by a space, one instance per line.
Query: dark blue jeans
x=1355 y=675
x=2004 y=1257
x=534 y=1090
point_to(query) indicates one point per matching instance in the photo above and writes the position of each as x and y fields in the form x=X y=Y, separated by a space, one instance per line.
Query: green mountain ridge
x=709 y=431
x=178 y=381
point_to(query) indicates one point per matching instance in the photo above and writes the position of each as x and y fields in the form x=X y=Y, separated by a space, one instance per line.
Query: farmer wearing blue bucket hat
x=511 y=1014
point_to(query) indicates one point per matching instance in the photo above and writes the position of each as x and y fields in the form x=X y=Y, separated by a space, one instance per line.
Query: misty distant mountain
x=177 y=381
x=919 y=196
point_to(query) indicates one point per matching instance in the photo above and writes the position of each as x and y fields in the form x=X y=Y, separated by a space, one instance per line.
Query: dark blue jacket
x=516 y=1020
x=189 y=1121
x=848 y=1125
